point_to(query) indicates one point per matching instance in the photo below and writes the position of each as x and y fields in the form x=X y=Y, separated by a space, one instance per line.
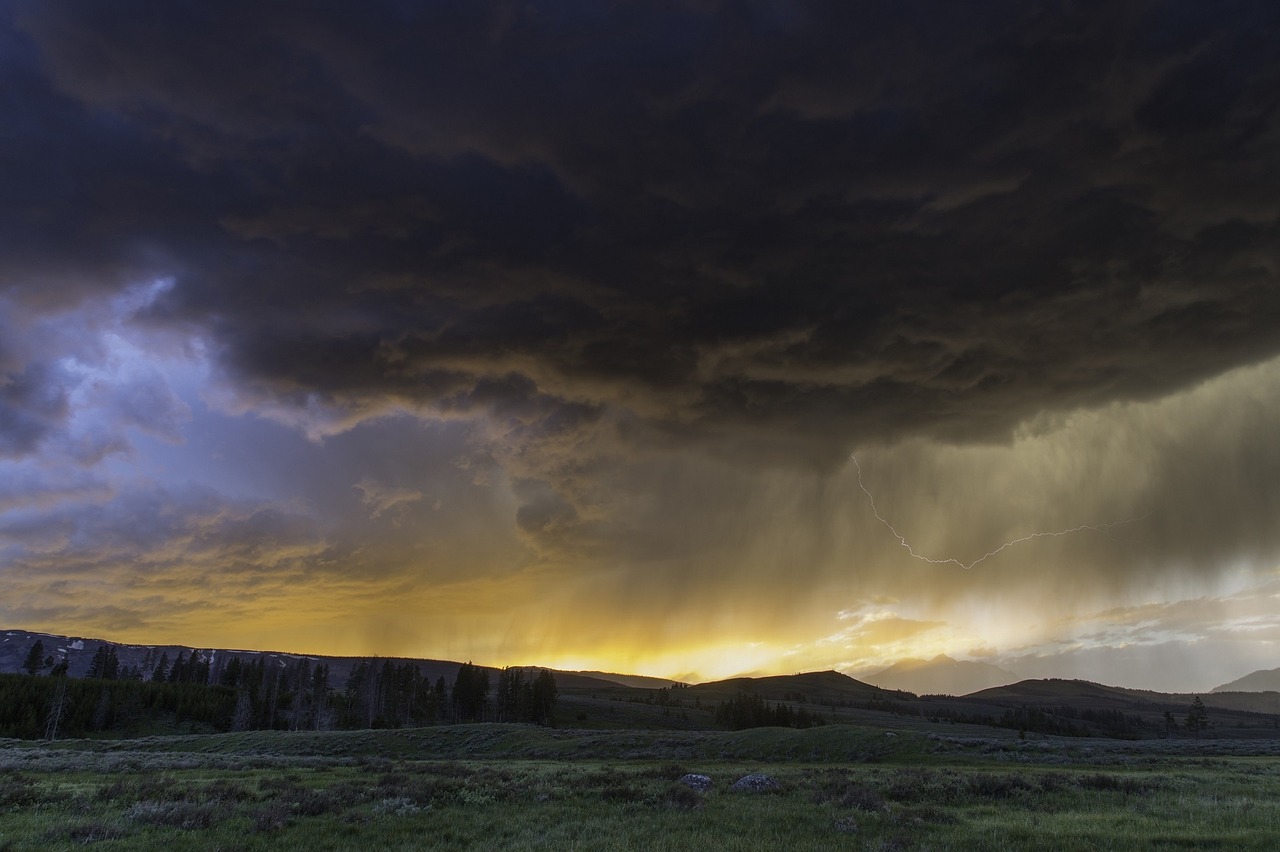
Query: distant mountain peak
x=1263 y=680
x=942 y=675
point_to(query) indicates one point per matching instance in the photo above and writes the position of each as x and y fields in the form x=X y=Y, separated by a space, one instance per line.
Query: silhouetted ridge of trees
x=233 y=693
x=32 y=707
x=526 y=699
x=751 y=711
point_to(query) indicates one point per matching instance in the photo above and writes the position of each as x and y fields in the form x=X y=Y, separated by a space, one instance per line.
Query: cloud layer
x=590 y=305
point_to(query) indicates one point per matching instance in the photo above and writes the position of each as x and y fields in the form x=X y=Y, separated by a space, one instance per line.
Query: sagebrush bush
x=17 y=790
x=223 y=790
x=185 y=815
x=272 y=816
x=999 y=786
x=680 y=796
x=398 y=806
x=1117 y=783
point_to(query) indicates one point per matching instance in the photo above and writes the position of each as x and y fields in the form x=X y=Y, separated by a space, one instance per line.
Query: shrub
x=17 y=791
x=862 y=798
x=998 y=786
x=840 y=790
x=223 y=790
x=916 y=785
x=187 y=815
x=472 y=797
x=272 y=816
x=1117 y=783
x=398 y=806
x=680 y=796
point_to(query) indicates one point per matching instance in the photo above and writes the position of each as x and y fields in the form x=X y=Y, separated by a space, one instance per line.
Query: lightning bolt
x=966 y=566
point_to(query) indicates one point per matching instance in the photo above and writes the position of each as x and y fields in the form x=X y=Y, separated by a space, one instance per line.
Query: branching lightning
x=967 y=565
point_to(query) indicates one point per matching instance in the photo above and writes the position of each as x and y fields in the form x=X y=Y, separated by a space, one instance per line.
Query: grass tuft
x=95 y=832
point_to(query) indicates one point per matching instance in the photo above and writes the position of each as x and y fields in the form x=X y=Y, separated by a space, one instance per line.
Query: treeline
x=243 y=694
x=33 y=707
x=525 y=699
x=751 y=711
x=1055 y=721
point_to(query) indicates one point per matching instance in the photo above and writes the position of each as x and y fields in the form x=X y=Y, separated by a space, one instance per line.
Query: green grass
x=493 y=787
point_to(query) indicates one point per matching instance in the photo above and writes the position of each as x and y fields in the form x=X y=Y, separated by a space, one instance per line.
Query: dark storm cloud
x=907 y=217
x=779 y=229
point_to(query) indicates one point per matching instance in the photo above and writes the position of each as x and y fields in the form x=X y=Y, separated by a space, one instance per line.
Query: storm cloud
x=593 y=301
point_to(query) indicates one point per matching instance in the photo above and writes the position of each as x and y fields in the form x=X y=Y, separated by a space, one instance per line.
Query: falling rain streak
x=967 y=565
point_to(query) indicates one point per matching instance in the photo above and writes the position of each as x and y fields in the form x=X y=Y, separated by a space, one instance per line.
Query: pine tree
x=544 y=693
x=35 y=658
x=470 y=692
x=179 y=671
x=111 y=664
x=441 y=694
x=1197 y=717
x=99 y=666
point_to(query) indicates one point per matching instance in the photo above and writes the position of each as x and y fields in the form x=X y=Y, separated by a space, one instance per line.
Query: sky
x=688 y=339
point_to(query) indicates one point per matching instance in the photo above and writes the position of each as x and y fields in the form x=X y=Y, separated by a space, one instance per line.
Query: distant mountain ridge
x=1058 y=692
x=941 y=676
x=1263 y=680
x=637 y=681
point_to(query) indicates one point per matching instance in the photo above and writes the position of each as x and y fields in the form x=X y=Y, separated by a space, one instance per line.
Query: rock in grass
x=756 y=782
x=701 y=783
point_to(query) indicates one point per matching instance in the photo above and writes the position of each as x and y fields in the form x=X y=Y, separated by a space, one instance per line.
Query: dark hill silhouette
x=816 y=687
x=617 y=679
x=1054 y=690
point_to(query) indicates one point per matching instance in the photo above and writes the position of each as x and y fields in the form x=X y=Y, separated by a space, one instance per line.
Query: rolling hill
x=829 y=687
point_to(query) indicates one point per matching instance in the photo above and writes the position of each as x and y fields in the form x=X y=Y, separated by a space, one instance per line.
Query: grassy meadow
x=492 y=786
